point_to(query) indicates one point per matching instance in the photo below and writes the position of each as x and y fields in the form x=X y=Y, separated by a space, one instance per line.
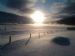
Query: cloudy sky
x=26 y=4
x=22 y=7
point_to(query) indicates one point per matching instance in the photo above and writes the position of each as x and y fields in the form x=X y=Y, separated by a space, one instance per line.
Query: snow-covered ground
x=21 y=31
x=23 y=45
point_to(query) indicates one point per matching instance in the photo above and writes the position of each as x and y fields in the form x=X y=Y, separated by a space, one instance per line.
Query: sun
x=38 y=17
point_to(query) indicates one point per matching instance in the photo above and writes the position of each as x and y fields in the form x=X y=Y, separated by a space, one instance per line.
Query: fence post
x=39 y=35
x=44 y=33
x=30 y=35
x=9 y=39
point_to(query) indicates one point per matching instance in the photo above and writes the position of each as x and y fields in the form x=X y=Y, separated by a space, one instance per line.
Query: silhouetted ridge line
x=67 y=20
x=13 y=18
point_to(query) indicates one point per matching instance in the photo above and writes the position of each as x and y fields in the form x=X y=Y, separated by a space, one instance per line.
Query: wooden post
x=39 y=35
x=47 y=32
x=9 y=39
x=30 y=35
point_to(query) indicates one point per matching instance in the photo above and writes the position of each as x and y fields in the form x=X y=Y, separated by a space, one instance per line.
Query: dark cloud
x=4 y=2
x=17 y=4
x=21 y=5
x=69 y=9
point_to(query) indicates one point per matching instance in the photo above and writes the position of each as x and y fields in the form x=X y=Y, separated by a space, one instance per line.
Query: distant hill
x=12 y=18
x=67 y=20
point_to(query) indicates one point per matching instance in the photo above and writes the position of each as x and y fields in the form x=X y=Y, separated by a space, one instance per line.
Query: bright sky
x=49 y=6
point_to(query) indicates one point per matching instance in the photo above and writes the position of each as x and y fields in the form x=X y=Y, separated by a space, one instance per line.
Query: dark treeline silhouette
x=12 y=18
x=68 y=20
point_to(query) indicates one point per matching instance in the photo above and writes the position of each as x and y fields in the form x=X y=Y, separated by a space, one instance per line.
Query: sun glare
x=38 y=17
